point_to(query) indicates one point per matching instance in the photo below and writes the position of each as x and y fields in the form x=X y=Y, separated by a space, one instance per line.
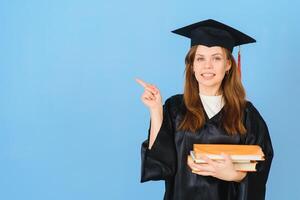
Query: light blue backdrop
x=71 y=120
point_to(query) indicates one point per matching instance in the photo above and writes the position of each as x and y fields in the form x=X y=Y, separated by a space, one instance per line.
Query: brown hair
x=233 y=94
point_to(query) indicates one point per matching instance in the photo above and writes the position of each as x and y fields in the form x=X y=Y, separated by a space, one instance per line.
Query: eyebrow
x=212 y=54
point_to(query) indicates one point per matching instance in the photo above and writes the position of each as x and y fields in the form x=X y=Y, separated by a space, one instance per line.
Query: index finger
x=226 y=157
x=141 y=82
x=208 y=160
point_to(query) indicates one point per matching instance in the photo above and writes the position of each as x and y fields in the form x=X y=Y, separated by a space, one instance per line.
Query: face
x=210 y=65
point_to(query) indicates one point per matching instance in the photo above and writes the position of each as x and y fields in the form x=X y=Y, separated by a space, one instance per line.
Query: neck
x=210 y=91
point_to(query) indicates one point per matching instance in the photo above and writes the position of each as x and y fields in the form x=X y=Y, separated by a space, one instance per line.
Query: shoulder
x=251 y=111
x=175 y=103
x=253 y=118
x=175 y=100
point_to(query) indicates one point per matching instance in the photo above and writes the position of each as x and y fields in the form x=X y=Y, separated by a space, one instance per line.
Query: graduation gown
x=167 y=158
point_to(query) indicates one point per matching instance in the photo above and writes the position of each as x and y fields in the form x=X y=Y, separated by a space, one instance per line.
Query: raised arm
x=153 y=101
x=158 y=152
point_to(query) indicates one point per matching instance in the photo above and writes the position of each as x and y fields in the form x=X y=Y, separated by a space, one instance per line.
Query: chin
x=209 y=83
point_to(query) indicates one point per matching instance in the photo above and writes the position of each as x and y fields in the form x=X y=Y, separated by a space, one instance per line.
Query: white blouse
x=212 y=104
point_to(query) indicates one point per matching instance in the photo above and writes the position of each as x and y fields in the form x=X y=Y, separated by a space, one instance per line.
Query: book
x=249 y=166
x=197 y=159
x=238 y=153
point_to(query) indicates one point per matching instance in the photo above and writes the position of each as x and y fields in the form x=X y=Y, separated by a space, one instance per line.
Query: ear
x=228 y=65
x=193 y=69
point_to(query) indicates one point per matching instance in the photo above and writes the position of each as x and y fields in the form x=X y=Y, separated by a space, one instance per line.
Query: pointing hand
x=151 y=96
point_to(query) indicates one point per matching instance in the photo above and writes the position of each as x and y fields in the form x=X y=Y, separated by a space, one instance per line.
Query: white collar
x=212 y=104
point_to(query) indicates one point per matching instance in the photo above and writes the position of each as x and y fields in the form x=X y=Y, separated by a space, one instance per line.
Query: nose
x=208 y=64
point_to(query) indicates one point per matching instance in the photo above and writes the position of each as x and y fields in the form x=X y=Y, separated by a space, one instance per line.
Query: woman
x=212 y=110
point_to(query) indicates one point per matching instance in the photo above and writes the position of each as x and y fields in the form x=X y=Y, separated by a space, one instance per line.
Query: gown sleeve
x=253 y=186
x=158 y=163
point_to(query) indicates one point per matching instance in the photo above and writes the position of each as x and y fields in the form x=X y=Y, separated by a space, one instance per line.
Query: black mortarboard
x=213 y=33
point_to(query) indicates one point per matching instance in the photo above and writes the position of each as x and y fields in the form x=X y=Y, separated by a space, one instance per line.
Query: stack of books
x=244 y=157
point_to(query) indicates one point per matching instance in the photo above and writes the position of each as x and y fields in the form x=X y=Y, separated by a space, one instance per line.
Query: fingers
x=204 y=173
x=221 y=169
x=147 y=95
x=205 y=167
x=209 y=161
x=192 y=164
x=226 y=157
x=141 y=82
x=149 y=87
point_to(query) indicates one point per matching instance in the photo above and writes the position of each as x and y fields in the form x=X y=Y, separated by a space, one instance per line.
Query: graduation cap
x=213 y=33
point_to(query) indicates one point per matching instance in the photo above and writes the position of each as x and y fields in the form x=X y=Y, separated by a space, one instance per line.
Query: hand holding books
x=221 y=169
x=226 y=162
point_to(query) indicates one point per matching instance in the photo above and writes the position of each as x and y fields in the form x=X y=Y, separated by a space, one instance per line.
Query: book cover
x=238 y=153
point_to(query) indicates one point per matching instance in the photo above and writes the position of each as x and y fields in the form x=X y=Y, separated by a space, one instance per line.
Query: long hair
x=233 y=94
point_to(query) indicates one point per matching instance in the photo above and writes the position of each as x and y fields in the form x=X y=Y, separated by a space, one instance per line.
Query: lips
x=208 y=75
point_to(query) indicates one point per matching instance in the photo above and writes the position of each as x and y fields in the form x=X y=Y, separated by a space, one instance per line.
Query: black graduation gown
x=167 y=159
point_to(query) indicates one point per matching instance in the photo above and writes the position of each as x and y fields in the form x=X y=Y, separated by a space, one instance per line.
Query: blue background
x=71 y=119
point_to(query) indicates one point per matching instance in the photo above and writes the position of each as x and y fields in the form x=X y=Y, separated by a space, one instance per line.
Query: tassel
x=239 y=62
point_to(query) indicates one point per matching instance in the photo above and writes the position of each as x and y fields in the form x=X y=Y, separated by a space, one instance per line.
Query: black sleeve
x=253 y=186
x=159 y=162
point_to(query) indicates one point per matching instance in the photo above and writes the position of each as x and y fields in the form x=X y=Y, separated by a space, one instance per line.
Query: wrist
x=239 y=176
x=156 y=111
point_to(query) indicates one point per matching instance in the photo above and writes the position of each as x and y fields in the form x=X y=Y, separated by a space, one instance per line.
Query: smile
x=208 y=75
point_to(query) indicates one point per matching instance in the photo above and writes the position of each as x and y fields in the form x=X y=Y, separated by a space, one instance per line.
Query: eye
x=217 y=58
x=200 y=59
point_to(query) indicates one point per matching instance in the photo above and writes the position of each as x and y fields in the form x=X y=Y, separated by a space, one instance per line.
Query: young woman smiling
x=212 y=110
